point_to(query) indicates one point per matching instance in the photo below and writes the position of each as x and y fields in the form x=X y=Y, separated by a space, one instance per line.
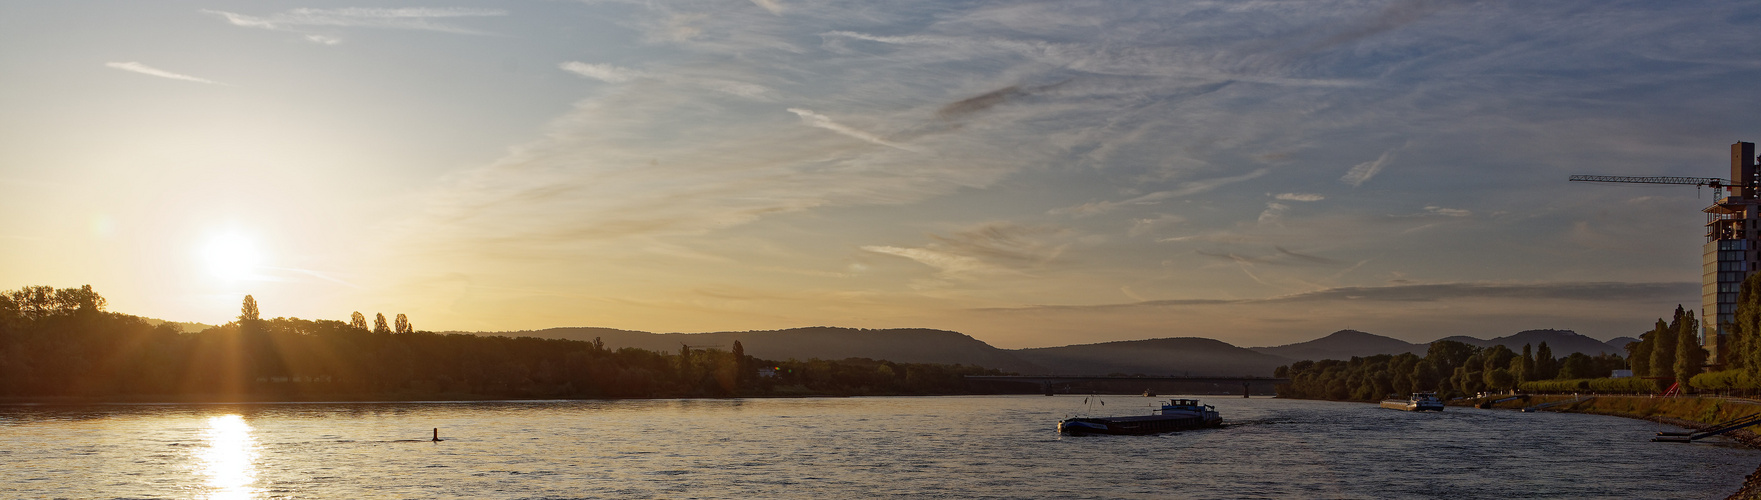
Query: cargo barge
x=1175 y=415
x=1419 y=401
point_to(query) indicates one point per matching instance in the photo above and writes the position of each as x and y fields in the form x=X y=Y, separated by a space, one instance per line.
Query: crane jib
x=1690 y=181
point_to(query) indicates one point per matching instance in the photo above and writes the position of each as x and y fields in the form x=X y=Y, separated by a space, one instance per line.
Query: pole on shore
x=436 y=434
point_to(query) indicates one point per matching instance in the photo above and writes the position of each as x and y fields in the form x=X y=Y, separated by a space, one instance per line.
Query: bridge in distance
x=1084 y=384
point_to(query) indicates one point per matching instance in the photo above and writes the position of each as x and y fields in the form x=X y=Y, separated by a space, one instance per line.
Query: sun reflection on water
x=229 y=462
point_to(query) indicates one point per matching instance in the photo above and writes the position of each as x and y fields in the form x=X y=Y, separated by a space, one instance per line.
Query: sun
x=232 y=257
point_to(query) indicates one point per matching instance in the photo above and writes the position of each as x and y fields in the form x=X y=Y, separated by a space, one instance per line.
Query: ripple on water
x=952 y=447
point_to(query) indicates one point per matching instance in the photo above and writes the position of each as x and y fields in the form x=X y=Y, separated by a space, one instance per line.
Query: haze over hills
x=1344 y=344
x=1617 y=343
x=1562 y=342
x=1155 y=357
x=904 y=345
x=1158 y=357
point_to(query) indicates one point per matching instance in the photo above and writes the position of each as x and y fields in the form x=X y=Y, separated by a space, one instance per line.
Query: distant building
x=767 y=372
x=1732 y=252
x=1621 y=374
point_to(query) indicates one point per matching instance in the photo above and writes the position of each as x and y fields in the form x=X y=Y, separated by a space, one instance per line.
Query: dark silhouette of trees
x=61 y=345
x=1546 y=368
x=379 y=324
x=1690 y=358
x=358 y=321
x=1454 y=369
x=1663 y=346
x=248 y=312
x=403 y=324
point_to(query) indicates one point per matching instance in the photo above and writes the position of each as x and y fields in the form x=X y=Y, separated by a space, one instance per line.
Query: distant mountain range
x=1344 y=344
x=1165 y=356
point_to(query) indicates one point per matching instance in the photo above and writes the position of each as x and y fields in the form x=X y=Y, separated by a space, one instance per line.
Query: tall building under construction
x=1732 y=252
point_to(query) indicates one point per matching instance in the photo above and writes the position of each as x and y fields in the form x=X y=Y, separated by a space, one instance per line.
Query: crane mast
x=1733 y=243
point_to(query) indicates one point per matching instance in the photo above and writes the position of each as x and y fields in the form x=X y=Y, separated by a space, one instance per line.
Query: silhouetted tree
x=403 y=324
x=248 y=312
x=379 y=326
x=1638 y=355
x=66 y=349
x=1546 y=366
x=1745 y=351
x=1663 y=344
x=358 y=320
x=1690 y=357
x=1524 y=367
x=80 y=299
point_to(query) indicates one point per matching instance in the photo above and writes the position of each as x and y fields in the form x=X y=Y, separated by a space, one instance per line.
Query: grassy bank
x=1689 y=412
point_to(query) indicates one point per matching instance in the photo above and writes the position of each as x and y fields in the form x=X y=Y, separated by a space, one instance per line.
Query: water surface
x=919 y=447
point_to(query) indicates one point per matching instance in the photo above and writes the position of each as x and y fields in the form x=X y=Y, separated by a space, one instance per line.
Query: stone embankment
x=1689 y=412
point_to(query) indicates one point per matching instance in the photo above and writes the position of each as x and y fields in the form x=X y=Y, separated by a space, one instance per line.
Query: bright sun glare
x=232 y=257
x=229 y=461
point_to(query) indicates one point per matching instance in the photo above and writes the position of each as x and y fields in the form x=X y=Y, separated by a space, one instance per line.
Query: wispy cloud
x=1185 y=189
x=1443 y=292
x=404 y=18
x=136 y=67
x=947 y=264
x=614 y=74
x=772 y=6
x=1364 y=171
x=602 y=72
x=822 y=121
x=988 y=250
x=1150 y=225
x=1177 y=122
x=1448 y=212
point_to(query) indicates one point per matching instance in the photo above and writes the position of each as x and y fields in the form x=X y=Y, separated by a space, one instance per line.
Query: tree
x=1524 y=368
x=1690 y=357
x=1496 y=357
x=1745 y=352
x=34 y=302
x=379 y=324
x=1546 y=368
x=1500 y=379
x=81 y=299
x=358 y=321
x=403 y=324
x=740 y=361
x=1446 y=355
x=248 y=313
x=1663 y=350
x=1638 y=356
x=1577 y=365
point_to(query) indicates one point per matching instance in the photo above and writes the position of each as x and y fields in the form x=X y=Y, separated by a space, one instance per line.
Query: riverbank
x=1688 y=412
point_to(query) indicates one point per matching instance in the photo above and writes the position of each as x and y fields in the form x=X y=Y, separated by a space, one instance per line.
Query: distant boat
x=1419 y=401
x=1175 y=415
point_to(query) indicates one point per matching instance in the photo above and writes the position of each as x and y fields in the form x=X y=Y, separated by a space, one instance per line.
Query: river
x=913 y=447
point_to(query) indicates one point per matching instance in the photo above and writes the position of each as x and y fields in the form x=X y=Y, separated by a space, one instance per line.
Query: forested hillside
x=62 y=343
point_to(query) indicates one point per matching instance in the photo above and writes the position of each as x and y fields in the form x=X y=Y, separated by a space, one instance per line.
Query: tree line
x=1448 y=368
x=57 y=343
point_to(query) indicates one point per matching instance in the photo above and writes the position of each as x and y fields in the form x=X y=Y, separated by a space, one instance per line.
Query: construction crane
x=1715 y=182
x=1732 y=250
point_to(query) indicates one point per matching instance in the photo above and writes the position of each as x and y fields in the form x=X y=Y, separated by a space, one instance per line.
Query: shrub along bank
x=1626 y=385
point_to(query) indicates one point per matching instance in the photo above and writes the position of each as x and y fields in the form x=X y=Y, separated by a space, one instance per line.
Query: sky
x=1028 y=173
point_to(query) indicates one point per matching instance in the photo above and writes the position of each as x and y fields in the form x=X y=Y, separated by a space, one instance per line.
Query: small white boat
x=1419 y=401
